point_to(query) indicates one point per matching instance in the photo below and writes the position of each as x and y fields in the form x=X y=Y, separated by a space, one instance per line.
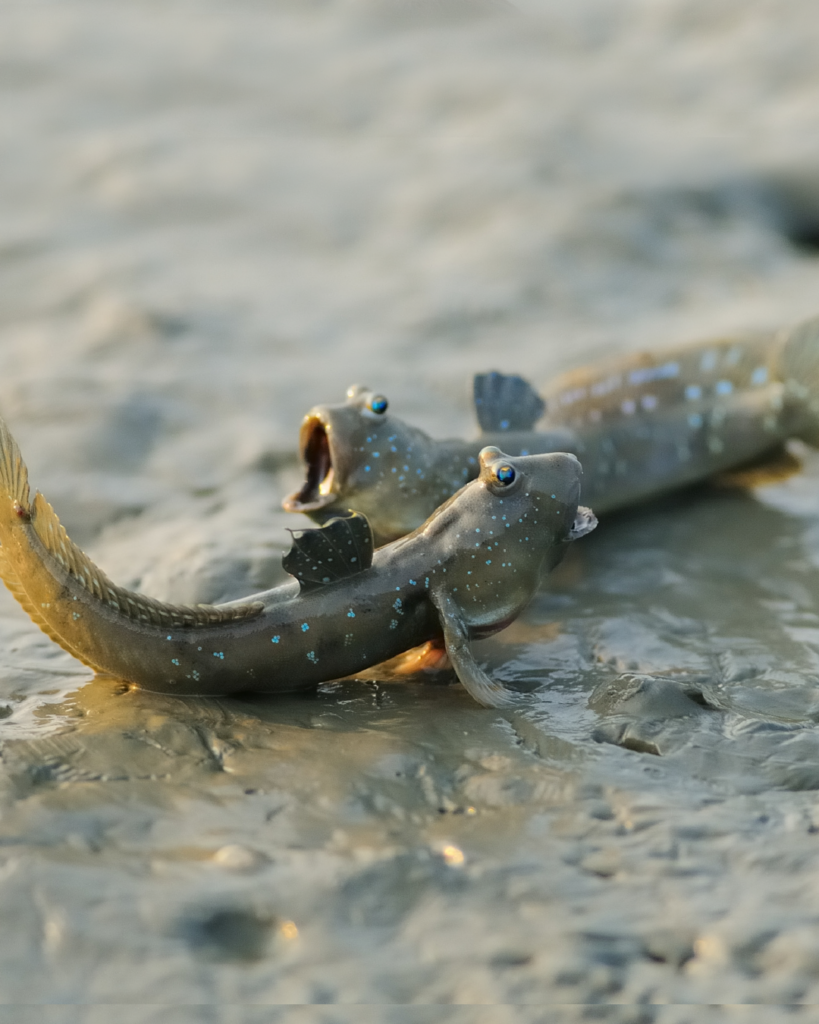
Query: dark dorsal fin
x=340 y=548
x=505 y=402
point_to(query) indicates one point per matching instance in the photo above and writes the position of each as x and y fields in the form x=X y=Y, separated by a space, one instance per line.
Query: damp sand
x=216 y=215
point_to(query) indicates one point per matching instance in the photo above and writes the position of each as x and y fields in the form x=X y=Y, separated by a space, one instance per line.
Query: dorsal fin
x=56 y=541
x=335 y=551
x=505 y=402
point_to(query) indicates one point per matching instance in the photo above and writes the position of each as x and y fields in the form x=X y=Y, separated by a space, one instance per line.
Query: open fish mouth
x=318 y=489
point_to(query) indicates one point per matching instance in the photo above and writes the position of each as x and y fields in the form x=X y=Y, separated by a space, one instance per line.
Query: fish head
x=505 y=530
x=358 y=456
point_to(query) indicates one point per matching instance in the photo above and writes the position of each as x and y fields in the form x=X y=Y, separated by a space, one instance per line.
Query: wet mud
x=212 y=220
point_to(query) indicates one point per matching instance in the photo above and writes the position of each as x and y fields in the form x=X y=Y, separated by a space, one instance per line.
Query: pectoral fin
x=505 y=402
x=584 y=522
x=456 y=637
x=335 y=551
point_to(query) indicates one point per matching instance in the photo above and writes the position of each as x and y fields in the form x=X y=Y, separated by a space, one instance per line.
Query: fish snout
x=564 y=474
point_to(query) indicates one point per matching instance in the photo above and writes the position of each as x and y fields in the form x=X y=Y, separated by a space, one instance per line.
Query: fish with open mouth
x=642 y=424
x=467 y=572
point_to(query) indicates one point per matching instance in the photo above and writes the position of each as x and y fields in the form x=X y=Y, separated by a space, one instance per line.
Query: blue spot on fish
x=724 y=387
x=304 y=627
x=311 y=656
x=219 y=654
x=695 y=420
x=275 y=639
x=759 y=376
x=174 y=661
x=693 y=392
x=645 y=375
x=351 y=614
x=366 y=469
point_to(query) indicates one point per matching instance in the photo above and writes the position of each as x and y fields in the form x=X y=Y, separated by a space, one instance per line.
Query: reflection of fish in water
x=468 y=572
x=641 y=424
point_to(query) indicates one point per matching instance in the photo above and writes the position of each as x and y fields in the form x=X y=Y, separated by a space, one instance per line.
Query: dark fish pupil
x=505 y=475
x=379 y=404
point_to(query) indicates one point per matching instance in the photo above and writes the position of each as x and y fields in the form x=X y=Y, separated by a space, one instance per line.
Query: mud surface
x=213 y=216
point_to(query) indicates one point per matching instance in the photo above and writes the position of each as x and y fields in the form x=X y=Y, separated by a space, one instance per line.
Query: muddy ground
x=213 y=216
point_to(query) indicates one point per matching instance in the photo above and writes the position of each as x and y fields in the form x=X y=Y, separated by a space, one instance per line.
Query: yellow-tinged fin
x=12 y=582
x=52 y=535
x=13 y=473
x=771 y=468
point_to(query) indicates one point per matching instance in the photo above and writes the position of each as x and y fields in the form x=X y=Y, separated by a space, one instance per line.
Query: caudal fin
x=13 y=475
x=799 y=371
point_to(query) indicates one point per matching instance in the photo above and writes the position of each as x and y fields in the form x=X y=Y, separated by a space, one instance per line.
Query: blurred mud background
x=214 y=215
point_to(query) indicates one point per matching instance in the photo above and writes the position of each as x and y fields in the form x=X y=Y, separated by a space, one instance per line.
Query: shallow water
x=213 y=217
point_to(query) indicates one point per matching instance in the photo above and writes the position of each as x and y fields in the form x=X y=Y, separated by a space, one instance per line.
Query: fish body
x=641 y=424
x=467 y=572
x=654 y=422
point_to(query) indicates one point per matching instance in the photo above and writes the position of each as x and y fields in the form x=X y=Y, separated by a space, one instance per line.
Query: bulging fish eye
x=378 y=404
x=505 y=475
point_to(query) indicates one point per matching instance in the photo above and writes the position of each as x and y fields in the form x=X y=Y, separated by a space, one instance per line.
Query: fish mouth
x=318 y=489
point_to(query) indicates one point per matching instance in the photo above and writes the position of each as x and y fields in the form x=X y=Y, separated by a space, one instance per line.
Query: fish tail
x=799 y=372
x=13 y=477
x=14 y=487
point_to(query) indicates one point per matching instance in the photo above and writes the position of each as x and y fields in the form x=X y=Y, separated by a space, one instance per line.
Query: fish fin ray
x=478 y=683
x=505 y=402
x=13 y=472
x=341 y=548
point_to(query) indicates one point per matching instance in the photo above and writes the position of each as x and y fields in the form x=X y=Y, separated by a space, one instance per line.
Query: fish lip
x=316 y=449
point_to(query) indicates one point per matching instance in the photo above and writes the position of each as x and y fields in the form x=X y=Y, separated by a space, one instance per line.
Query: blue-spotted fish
x=641 y=424
x=467 y=572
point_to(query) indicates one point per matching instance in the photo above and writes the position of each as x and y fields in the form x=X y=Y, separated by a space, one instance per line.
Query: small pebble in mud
x=452 y=856
x=238 y=858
